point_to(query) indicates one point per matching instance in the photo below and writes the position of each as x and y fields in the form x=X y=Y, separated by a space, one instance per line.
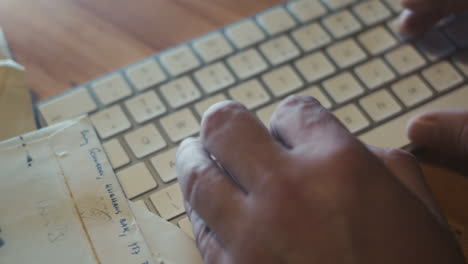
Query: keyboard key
x=145 y=107
x=316 y=93
x=442 y=76
x=306 y=10
x=380 y=105
x=456 y=31
x=276 y=20
x=411 y=90
x=180 y=125
x=282 y=81
x=72 y=104
x=311 y=37
x=393 y=25
x=186 y=227
x=180 y=92
x=405 y=59
x=352 y=118
x=110 y=121
x=247 y=64
x=342 y=24
x=179 y=60
x=461 y=60
x=214 y=77
x=374 y=73
x=115 y=152
x=435 y=46
x=266 y=113
x=136 y=180
x=146 y=75
x=372 y=12
x=141 y=204
x=212 y=47
x=336 y=4
x=346 y=53
x=202 y=106
x=169 y=202
x=245 y=33
x=251 y=94
x=165 y=165
x=377 y=40
x=144 y=141
x=343 y=87
x=315 y=67
x=111 y=89
x=395 y=5
x=279 y=50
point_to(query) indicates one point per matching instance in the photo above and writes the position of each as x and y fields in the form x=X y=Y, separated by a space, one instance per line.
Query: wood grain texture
x=63 y=43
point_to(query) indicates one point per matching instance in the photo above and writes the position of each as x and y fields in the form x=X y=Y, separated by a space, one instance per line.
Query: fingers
x=240 y=143
x=300 y=121
x=443 y=132
x=207 y=191
x=422 y=14
x=405 y=168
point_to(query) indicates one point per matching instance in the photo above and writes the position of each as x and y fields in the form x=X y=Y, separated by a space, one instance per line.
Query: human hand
x=319 y=196
x=420 y=15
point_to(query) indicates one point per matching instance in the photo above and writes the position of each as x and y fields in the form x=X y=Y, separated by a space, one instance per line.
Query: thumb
x=445 y=132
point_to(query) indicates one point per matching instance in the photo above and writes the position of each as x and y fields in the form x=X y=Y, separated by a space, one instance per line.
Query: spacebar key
x=393 y=134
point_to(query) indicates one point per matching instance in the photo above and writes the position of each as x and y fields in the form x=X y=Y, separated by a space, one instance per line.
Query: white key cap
x=372 y=12
x=251 y=94
x=346 y=53
x=380 y=105
x=180 y=125
x=282 y=81
x=136 y=180
x=317 y=94
x=245 y=33
x=411 y=90
x=266 y=113
x=144 y=141
x=393 y=133
x=145 y=75
x=336 y=4
x=395 y=5
x=179 y=60
x=180 y=92
x=141 y=204
x=306 y=10
x=435 y=46
x=117 y=155
x=214 y=77
x=279 y=50
x=405 y=59
x=315 y=67
x=186 y=227
x=110 y=121
x=202 y=106
x=342 y=24
x=461 y=60
x=352 y=118
x=165 y=165
x=374 y=73
x=311 y=37
x=456 y=31
x=377 y=40
x=111 y=89
x=276 y=20
x=343 y=87
x=442 y=76
x=72 y=104
x=145 y=106
x=247 y=63
x=169 y=202
x=212 y=47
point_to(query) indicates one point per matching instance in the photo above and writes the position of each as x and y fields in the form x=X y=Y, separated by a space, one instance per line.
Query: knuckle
x=306 y=109
x=221 y=114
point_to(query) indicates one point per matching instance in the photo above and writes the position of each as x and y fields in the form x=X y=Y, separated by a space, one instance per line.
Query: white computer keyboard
x=345 y=53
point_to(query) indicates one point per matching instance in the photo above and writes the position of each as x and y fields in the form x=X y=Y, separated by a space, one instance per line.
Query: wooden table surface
x=63 y=43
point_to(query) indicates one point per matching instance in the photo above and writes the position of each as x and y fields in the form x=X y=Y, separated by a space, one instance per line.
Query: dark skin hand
x=308 y=191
